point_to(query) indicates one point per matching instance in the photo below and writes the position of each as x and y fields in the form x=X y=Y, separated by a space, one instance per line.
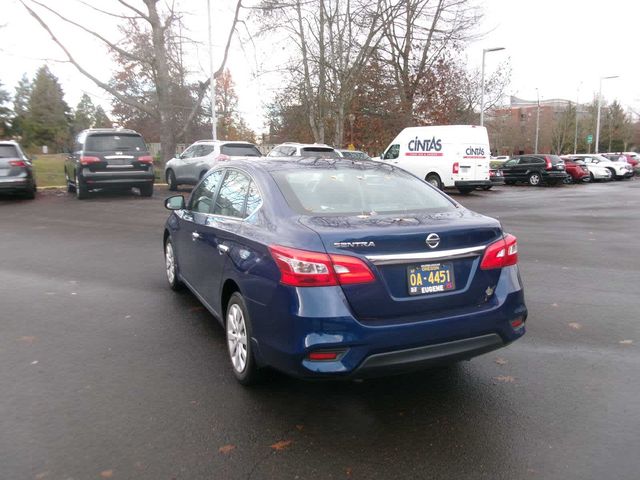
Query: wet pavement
x=106 y=373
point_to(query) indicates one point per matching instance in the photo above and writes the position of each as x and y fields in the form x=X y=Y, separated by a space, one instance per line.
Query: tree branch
x=138 y=12
x=229 y=38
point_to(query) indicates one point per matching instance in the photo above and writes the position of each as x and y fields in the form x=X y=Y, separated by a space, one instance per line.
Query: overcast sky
x=556 y=46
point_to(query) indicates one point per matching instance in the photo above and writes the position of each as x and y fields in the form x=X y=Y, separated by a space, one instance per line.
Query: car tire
x=70 y=186
x=238 y=332
x=81 y=190
x=171 y=180
x=146 y=190
x=171 y=266
x=30 y=193
x=465 y=190
x=486 y=188
x=534 y=179
x=434 y=180
x=613 y=174
x=568 y=180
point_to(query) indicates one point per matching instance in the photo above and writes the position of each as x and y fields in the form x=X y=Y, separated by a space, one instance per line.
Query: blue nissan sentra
x=332 y=268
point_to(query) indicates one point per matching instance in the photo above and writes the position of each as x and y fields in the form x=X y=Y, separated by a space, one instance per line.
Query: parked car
x=16 y=170
x=619 y=170
x=577 y=171
x=109 y=158
x=353 y=154
x=632 y=158
x=191 y=165
x=292 y=149
x=342 y=269
x=496 y=177
x=596 y=172
x=500 y=158
x=534 y=169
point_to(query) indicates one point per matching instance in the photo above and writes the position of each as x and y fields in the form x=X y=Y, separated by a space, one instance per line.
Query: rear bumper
x=472 y=183
x=117 y=178
x=15 y=184
x=296 y=322
x=497 y=180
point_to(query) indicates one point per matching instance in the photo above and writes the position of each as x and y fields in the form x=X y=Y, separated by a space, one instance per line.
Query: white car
x=292 y=149
x=198 y=158
x=596 y=172
x=619 y=170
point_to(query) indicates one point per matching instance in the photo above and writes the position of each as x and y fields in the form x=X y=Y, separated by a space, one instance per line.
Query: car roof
x=347 y=150
x=89 y=131
x=297 y=144
x=9 y=142
x=271 y=164
x=222 y=142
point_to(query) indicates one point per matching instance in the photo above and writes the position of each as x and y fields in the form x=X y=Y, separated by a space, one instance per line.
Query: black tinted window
x=318 y=152
x=233 y=193
x=367 y=189
x=354 y=155
x=240 y=150
x=112 y=142
x=202 y=197
x=7 y=151
x=392 y=153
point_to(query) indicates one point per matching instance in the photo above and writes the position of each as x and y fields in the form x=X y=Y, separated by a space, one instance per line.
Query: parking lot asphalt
x=106 y=373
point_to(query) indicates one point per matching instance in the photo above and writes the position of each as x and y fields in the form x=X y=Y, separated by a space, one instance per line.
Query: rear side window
x=233 y=193
x=205 y=150
x=368 y=189
x=112 y=142
x=8 y=151
x=240 y=150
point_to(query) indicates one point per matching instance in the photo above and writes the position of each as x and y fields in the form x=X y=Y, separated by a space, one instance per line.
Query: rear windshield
x=8 y=151
x=318 y=152
x=354 y=155
x=555 y=159
x=240 y=150
x=366 y=189
x=115 y=142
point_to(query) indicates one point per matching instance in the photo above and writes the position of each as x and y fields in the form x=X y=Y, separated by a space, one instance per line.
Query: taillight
x=301 y=268
x=17 y=163
x=223 y=158
x=145 y=159
x=324 y=355
x=549 y=164
x=456 y=167
x=84 y=160
x=501 y=253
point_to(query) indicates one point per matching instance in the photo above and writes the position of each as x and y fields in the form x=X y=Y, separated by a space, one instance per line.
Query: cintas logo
x=426 y=145
x=474 y=151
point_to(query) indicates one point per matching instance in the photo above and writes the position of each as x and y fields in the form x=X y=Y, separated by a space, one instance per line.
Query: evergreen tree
x=84 y=115
x=48 y=118
x=5 y=113
x=101 y=120
x=21 y=105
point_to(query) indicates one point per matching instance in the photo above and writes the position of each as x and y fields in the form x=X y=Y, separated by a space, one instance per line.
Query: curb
x=59 y=187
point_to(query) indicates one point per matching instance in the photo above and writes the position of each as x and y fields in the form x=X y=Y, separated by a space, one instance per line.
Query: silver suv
x=291 y=149
x=198 y=158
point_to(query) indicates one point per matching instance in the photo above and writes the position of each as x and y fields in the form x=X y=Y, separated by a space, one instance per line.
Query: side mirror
x=174 y=203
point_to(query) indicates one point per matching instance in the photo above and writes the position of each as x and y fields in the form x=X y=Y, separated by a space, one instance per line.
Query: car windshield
x=8 y=151
x=113 y=142
x=318 y=152
x=362 y=189
x=240 y=150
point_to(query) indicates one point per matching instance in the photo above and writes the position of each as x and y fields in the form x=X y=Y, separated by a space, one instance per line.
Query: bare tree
x=158 y=23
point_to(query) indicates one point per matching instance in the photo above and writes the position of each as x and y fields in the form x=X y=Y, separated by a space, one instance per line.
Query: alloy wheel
x=170 y=262
x=237 y=337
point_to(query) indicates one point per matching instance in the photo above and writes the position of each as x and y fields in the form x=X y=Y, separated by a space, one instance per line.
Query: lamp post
x=484 y=52
x=598 y=116
x=575 y=138
x=212 y=80
x=537 y=122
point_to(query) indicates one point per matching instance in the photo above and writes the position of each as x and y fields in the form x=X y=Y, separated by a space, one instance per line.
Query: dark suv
x=109 y=158
x=534 y=169
x=16 y=170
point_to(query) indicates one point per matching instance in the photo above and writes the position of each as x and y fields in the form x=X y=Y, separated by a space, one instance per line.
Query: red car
x=577 y=171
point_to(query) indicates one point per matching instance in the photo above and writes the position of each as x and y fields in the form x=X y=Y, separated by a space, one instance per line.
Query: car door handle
x=195 y=236
x=222 y=249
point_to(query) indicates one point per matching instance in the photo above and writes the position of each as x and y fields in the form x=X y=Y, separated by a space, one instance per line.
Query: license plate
x=430 y=278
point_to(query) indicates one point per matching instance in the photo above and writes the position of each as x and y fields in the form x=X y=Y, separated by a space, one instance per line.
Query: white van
x=445 y=156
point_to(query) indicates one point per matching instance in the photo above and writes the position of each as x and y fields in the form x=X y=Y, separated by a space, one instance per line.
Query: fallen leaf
x=299 y=427
x=501 y=361
x=575 y=325
x=42 y=475
x=35 y=362
x=226 y=449
x=505 y=378
x=27 y=340
x=626 y=342
x=281 y=445
x=106 y=473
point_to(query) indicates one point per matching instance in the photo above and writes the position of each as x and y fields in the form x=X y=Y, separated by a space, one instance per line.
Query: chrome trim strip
x=396 y=258
x=112 y=157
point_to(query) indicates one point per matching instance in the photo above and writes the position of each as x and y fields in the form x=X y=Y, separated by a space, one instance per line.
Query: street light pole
x=575 y=138
x=484 y=52
x=599 y=106
x=212 y=80
x=537 y=122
